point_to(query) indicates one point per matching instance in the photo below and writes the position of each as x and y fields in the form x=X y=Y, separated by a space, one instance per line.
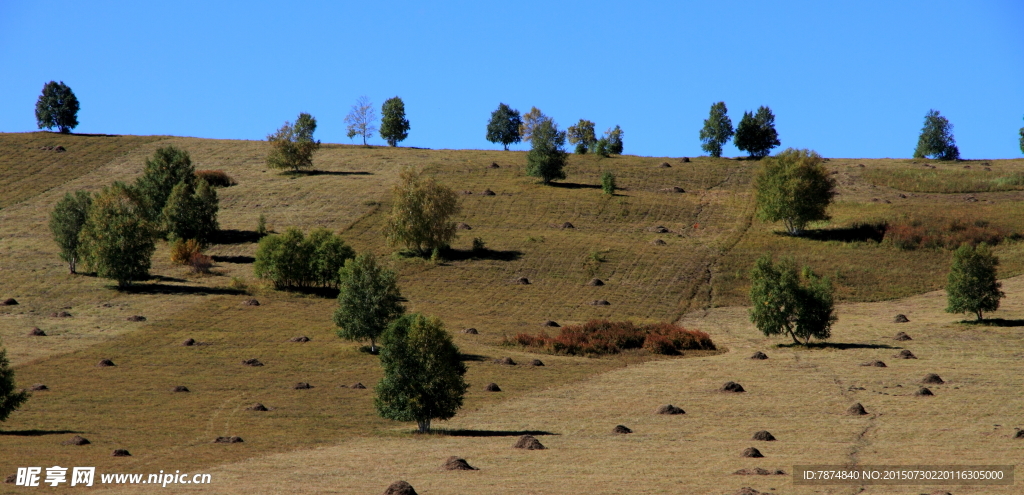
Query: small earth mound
x=550 y=323
x=105 y=363
x=36 y=332
x=732 y=387
x=537 y=362
x=1020 y=434
x=250 y=302
x=467 y=192
x=856 y=410
x=923 y=392
x=252 y=362
x=670 y=409
x=121 y=453
x=528 y=442
x=876 y=364
x=747 y=491
x=665 y=165
x=658 y=230
x=905 y=354
x=228 y=440
x=76 y=440
x=658 y=242
x=751 y=452
x=900 y=318
x=180 y=388
x=685 y=159
x=673 y=189
x=358 y=385
x=302 y=386
x=488 y=192
x=521 y=281
x=463 y=226
x=136 y=318
x=506 y=360
x=764 y=436
x=257 y=407
x=492 y=387
x=471 y=331
x=595 y=282
x=10 y=301
x=39 y=387
x=933 y=378
x=568 y=225
x=600 y=302
x=622 y=430
x=400 y=488
x=189 y=342
x=299 y=339
x=759 y=355
x=60 y=314
x=902 y=337
x=758 y=472
x=457 y=464
x=11 y=479
x=495 y=165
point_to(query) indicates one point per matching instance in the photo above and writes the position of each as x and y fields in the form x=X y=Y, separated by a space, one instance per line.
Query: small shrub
x=200 y=263
x=183 y=251
x=608 y=183
x=608 y=337
x=297 y=261
x=261 y=226
x=216 y=178
x=237 y=283
x=478 y=244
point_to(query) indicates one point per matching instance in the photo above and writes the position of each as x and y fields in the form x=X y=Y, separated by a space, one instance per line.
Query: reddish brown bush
x=942 y=233
x=183 y=251
x=216 y=178
x=200 y=263
x=608 y=337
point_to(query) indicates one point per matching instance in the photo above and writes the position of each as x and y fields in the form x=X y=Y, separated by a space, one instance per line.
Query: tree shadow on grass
x=995 y=322
x=324 y=172
x=472 y=357
x=324 y=292
x=178 y=290
x=487 y=433
x=234 y=259
x=481 y=254
x=574 y=185
x=232 y=236
x=857 y=233
x=35 y=433
x=836 y=345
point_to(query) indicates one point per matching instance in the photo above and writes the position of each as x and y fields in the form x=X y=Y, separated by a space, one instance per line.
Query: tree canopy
x=191 y=212
x=582 y=135
x=117 y=238
x=756 y=133
x=936 y=139
x=361 y=119
x=717 y=130
x=368 y=301
x=66 y=221
x=504 y=126
x=1022 y=139
x=783 y=304
x=421 y=213
x=394 y=127
x=423 y=372
x=614 y=137
x=530 y=121
x=293 y=260
x=57 y=107
x=547 y=156
x=971 y=286
x=165 y=169
x=10 y=397
x=292 y=146
x=793 y=187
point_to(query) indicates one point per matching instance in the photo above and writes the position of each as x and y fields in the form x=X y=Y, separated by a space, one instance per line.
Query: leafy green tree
x=614 y=140
x=547 y=156
x=971 y=286
x=10 y=398
x=66 y=223
x=582 y=135
x=117 y=238
x=295 y=260
x=369 y=300
x=530 y=121
x=361 y=119
x=608 y=183
x=191 y=212
x=756 y=133
x=423 y=372
x=601 y=147
x=936 y=139
x=794 y=187
x=1022 y=139
x=394 y=127
x=57 y=107
x=785 y=305
x=504 y=126
x=717 y=130
x=292 y=146
x=165 y=169
x=329 y=254
x=421 y=213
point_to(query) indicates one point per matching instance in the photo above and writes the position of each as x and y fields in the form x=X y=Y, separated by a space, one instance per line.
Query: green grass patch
x=947 y=180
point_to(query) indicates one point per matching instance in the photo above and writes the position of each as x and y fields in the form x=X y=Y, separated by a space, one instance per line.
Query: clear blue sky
x=845 y=78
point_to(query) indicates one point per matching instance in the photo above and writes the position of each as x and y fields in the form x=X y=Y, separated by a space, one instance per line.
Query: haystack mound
x=756 y=471
x=732 y=387
x=658 y=230
x=673 y=189
x=900 y=318
x=595 y=282
x=856 y=410
x=670 y=409
x=528 y=442
x=764 y=436
x=751 y=452
x=685 y=159
x=9 y=302
x=488 y=192
x=60 y=314
x=923 y=392
x=495 y=165
x=457 y=464
x=252 y=362
x=250 y=302
x=747 y=491
x=36 y=332
x=13 y=478
x=665 y=165
x=536 y=362
x=121 y=453
x=932 y=378
x=463 y=226
x=1020 y=434
x=180 y=388
x=76 y=440
x=105 y=363
x=257 y=407
x=358 y=385
x=521 y=281
x=136 y=318
x=600 y=302
x=905 y=354
x=759 y=355
x=902 y=337
x=941 y=492
x=471 y=331
x=492 y=387
x=189 y=342
x=568 y=225
x=228 y=440
x=876 y=364
x=299 y=339
x=658 y=242
x=467 y=192
x=400 y=488
x=621 y=430
x=302 y=386
x=507 y=361
x=550 y=323
x=39 y=387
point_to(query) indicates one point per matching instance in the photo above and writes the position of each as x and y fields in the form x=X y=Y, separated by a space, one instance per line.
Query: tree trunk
x=423 y=424
x=373 y=346
x=979 y=315
x=71 y=265
x=795 y=340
